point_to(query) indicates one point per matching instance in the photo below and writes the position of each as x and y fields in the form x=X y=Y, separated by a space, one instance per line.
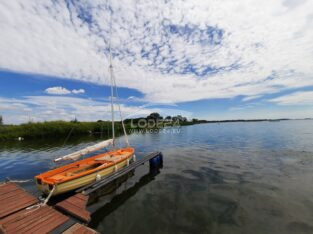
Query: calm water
x=217 y=178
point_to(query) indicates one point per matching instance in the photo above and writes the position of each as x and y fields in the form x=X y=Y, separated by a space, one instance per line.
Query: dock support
x=157 y=161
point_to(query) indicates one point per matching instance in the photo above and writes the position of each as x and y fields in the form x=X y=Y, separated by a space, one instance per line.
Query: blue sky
x=202 y=59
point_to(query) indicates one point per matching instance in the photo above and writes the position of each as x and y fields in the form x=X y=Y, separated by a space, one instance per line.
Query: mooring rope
x=31 y=208
x=18 y=181
x=41 y=204
x=49 y=196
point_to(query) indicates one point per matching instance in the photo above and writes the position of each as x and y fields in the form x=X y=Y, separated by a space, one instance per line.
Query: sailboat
x=80 y=173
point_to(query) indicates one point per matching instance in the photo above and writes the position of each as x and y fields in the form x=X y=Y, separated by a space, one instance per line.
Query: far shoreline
x=65 y=129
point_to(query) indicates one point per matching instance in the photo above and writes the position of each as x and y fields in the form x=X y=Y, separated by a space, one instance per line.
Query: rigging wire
x=121 y=116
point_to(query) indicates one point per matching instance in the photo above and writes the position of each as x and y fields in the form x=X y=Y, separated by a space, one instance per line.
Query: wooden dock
x=79 y=229
x=19 y=214
x=13 y=199
x=76 y=207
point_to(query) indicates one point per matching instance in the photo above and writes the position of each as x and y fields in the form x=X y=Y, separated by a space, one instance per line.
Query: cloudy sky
x=208 y=59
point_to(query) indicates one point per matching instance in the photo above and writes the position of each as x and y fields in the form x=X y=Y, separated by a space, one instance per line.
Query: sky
x=208 y=59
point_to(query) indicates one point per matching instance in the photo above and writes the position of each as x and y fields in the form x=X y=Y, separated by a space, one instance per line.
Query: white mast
x=112 y=83
x=112 y=105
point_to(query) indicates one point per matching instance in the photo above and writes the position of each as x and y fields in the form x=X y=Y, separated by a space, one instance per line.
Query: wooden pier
x=20 y=212
x=13 y=199
x=76 y=207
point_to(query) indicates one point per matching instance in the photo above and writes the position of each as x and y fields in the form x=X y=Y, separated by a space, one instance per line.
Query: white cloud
x=58 y=90
x=298 y=98
x=78 y=91
x=266 y=46
x=46 y=108
x=249 y=98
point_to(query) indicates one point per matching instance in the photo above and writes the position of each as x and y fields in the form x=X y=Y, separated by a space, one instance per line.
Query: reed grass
x=55 y=129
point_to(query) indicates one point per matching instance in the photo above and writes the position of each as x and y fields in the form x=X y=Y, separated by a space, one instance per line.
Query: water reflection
x=217 y=178
x=110 y=203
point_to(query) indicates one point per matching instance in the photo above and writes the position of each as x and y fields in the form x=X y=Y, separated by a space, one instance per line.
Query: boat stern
x=46 y=188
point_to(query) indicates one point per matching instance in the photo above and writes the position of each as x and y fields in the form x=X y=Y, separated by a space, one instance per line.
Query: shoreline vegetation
x=64 y=129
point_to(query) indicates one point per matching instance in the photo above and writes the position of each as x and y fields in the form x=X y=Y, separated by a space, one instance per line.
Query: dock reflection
x=103 y=202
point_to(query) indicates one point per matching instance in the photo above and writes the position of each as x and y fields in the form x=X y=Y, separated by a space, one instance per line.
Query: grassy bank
x=62 y=129
x=57 y=129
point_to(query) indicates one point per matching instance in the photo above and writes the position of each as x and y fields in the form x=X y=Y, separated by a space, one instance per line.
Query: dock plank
x=82 y=197
x=15 y=218
x=27 y=219
x=44 y=218
x=8 y=187
x=49 y=224
x=18 y=215
x=75 y=211
x=10 y=194
x=21 y=204
x=77 y=202
x=76 y=206
x=16 y=200
x=21 y=219
x=13 y=198
x=78 y=229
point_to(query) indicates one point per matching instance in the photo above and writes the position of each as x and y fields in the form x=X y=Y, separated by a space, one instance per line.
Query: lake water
x=217 y=178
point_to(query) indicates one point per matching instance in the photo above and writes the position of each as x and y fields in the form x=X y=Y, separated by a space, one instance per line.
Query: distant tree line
x=184 y=121
x=62 y=129
x=157 y=117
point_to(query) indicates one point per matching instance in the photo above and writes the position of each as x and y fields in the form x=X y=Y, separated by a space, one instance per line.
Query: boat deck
x=19 y=215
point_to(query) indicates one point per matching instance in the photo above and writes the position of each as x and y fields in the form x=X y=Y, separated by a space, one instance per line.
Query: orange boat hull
x=83 y=172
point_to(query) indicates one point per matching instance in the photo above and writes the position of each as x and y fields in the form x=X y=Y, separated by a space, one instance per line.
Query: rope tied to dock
x=44 y=203
x=18 y=181
x=49 y=196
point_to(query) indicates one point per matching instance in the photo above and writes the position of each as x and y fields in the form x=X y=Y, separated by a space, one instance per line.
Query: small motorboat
x=83 y=172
